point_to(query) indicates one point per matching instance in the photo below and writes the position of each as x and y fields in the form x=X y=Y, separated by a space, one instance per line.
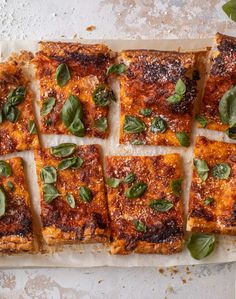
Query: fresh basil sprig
x=201 y=245
x=85 y=194
x=117 y=69
x=183 y=138
x=137 y=190
x=62 y=74
x=221 y=171
x=227 y=107
x=158 y=125
x=230 y=9
x=71 y=115
x=2 y=201
x=113 y=182
x=5 y=169
x=133 y=125
x=180 y=89
x=202 y=168
x=140 y=226
x=74 y=162
x=48 y=174
x=176 y=186
x=103 y=96
x=49 y=193
x=63 y=150
x=47 y=106
x=161 y=205
x=101 y=124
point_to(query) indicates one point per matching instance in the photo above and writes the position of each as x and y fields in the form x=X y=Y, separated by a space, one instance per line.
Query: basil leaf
x=101 y=124
x=230 y=9
x=176 y=98
x=49 y=193
x=221 y=171
x=227 y=107
x=129 y=178
x=71 y=115
x=136 y=190
x=133 y=124
x=117 y=69
x=47 y=106
x=161 y=205
x=48 y=174
x=146 y=112
x=102 y=96
x=71 y=200
x=16 y=96
x=62 y=74
x=176 y=186
x=63 y=150
x=183 y=138
x=2 y=201
x=48 y=122
x=74 y=162
x=231 y=132
x=202 y=168
x=201 y=120
x=10 y=186
x=136 y=142
x=85 y=194
x=208 y=201
x=32 y=127
x=5 y=169
x=140 y=226
x=180 y=87
x=113 y=182
x=201 y=245
x=158 y=125
x=1 y=116
x=11 y=113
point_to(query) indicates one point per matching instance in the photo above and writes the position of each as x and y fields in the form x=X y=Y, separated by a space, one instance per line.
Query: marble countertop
x=98 y=19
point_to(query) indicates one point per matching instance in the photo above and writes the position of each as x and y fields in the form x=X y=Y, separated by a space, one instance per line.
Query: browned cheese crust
x=16 y=136
x=88 y=221
x=16 y=224
x=220 y=79
x=150 y=79
x=220 y=215
x=88 y=65
x=164 y=230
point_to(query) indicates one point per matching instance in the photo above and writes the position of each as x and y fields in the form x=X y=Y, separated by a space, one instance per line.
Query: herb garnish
x=221 y=171
x=202 y=168
x=5 y=169
x=227 y=107
x=47 y=106
x=201 y=245
x=103 y=96
x=48 y=174
x=183 y=138
x=49 y=193
x=230 y=9
x=70 y=200
x=139 y=226
x=113 y=182
x=32 y=127
x=117 y=69
x=62 y=74
x=133 y=124
x=63 y=150
x=85 y=194
x=158 y=125
x=201 y=120
x=2 y=201
x=74 y=162
x=137 y=190
x=176 y=186
x=146 y=112
x=161 y=205
x=180 y=89
x=101 y=124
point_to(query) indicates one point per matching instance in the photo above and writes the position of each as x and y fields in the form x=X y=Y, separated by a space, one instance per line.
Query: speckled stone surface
x=147 y=19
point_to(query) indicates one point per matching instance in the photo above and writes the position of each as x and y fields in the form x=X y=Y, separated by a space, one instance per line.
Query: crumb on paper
x=184 y=280
x=161 y=270
x=169 y=290
x=91 y=28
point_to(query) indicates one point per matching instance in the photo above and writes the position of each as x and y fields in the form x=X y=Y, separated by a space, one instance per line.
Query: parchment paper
x=97 y=254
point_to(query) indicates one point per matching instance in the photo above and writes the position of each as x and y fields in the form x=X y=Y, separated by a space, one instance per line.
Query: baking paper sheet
x=97 y=254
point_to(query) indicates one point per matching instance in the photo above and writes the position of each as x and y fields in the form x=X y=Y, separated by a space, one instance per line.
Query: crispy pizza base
x=88 y=65
x=218 y=217
x=16 y=233
x=164 y=230
x=16 y=136
x=220 y=79
x=87 y=222
x=149 y=81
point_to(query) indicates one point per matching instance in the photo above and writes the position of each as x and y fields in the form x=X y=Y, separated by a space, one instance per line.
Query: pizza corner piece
x=16 y=233
x=73 y=203
x=212 y=204
x=158 y=95
x=74 y=91
x=218 y=107
x=17 y=125
x=145 y=204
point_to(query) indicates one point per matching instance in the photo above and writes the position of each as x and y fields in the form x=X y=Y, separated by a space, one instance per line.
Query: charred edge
x=201 y=212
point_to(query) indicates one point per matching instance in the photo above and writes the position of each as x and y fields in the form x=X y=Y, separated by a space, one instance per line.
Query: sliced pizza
x=16 y=233
x=145 y=204
x=17 y=126
x=74 y=92
x=73 y=203
x=212 y=204
x=158 y=93
x=218 y=108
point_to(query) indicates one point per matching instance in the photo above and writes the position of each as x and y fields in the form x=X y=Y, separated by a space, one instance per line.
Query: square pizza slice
x=158 y=93
x=145 y=204
x=16 y=233
x=74 y=92
x=17 y=126
x=212 y=203
x=218 y=107
x=73 y=203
